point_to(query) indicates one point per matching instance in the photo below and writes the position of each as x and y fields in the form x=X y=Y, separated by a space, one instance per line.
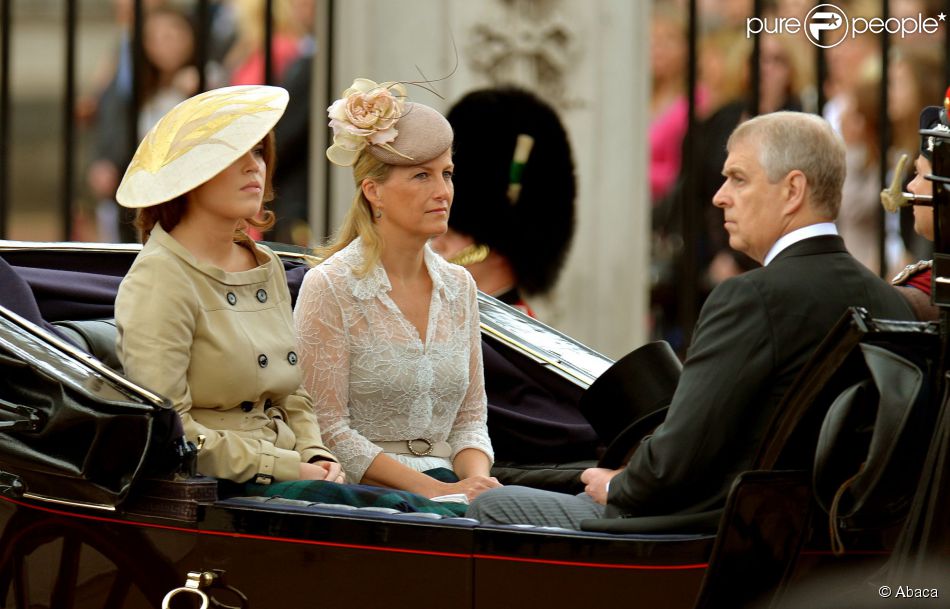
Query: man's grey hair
x=806 y=142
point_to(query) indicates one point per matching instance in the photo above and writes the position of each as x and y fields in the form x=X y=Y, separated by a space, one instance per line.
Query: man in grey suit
x=781 y=195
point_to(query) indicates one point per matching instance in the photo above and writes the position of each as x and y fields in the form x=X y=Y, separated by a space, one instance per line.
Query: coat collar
x=259 y=274
x=824 y=244
x=376 y=282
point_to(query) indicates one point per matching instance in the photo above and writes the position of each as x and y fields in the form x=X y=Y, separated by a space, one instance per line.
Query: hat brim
x=636 y=388
x=197 y=139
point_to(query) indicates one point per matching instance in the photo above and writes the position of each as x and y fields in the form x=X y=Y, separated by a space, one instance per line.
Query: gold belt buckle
x=424 y=453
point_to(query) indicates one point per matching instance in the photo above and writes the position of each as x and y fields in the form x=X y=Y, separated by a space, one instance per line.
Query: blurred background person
x=859 y=221
x=668 y=103
x=292 y=182
x=513 y=216
x=912 y=84
x=782 y=75
x=847 y=63
x=245 y=58
x=169 y=77
x=723 y=73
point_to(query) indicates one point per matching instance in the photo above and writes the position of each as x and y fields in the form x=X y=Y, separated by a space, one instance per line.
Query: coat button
x=232 y=299
x=292 y=358
x=262 y=296
x=247 y=406
x=262 y=360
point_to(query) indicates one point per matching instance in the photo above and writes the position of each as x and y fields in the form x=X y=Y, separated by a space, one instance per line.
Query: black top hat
x=630 y=399
x=513 y=193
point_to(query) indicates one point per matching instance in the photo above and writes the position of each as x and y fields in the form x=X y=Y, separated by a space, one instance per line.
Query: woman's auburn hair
x=170 y=213
x=358 y=221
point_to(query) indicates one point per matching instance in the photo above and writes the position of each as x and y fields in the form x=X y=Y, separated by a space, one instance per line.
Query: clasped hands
x=595 y=480
x=322 y=470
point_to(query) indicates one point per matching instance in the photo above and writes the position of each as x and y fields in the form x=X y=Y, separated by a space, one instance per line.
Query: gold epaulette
x=910 y=270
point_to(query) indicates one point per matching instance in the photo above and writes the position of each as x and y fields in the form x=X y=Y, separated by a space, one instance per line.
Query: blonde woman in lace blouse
x=388 y=331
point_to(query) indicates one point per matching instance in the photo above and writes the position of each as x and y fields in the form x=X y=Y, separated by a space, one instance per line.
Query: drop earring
x=378 y=213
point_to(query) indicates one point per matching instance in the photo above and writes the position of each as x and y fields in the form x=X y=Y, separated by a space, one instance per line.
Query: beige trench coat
x=221 y=347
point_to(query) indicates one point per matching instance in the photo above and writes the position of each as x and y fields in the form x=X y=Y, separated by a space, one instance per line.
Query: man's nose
x=720 y=199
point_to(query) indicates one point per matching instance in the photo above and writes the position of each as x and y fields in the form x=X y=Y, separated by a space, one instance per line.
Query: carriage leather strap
x=419 y=447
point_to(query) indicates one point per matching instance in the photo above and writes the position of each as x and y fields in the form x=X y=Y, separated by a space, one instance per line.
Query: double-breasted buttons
x=262 y=360
x=292 y=358
x=262 y=296
x=232 y=299
x=247 y=406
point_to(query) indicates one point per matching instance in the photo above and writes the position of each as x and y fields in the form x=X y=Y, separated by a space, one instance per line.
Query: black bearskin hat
x=531 y=224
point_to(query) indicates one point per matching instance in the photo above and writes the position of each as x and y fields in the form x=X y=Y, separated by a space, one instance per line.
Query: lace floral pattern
x=370 y=375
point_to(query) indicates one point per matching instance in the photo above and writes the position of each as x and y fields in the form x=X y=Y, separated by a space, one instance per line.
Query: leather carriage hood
x=861 y=474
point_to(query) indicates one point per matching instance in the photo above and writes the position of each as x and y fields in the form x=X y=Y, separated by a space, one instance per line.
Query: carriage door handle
x=197 y=582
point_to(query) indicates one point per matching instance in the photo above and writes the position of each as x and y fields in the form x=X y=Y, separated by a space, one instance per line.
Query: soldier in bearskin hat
x=914 y=282
x=513 y=216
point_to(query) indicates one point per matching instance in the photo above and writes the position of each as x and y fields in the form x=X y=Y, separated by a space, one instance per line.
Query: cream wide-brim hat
x=197 y=139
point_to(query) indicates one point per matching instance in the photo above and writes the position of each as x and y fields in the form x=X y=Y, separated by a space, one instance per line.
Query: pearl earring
x=379 y=213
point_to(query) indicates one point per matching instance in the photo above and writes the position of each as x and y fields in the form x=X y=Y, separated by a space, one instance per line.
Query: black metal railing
x=69 y=143
x=690 y=268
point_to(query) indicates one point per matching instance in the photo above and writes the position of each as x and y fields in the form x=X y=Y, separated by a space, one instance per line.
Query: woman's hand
x=322 y=470
x=472 y=486
x=334 y=471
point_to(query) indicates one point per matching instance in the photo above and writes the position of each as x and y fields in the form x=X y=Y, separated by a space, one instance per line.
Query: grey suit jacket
x=754 y=334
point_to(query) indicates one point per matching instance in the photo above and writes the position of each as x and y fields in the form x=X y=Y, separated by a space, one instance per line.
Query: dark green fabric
x=361 y=495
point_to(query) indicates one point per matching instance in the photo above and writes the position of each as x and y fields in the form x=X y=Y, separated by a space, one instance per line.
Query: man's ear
x=795 y=187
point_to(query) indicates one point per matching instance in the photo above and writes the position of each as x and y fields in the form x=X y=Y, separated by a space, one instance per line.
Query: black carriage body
x=71 y=538
x=82 y=545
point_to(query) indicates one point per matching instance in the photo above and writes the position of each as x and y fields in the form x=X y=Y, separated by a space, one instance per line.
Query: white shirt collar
x=800 y=234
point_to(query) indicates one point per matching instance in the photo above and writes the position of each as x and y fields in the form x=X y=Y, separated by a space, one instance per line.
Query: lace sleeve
x=325 y=359
x=470 y=429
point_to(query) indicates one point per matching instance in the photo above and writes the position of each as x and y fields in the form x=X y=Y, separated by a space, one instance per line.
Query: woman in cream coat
x=204 y=314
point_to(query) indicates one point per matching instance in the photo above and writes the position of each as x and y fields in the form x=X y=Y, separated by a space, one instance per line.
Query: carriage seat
x=96 y=336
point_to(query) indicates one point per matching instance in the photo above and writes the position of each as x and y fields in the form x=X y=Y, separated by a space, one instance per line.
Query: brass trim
x=541 y=358
x=81 y=504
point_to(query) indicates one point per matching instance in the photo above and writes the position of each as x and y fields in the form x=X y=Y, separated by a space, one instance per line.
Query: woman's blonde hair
x=358 y=221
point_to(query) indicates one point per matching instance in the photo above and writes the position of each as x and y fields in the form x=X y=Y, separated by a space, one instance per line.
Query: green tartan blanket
x=361 y=495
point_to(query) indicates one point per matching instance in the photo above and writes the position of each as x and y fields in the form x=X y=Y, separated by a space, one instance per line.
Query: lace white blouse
x=371 y=377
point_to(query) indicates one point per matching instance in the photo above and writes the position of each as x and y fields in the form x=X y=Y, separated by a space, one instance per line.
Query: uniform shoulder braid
x=909 y=271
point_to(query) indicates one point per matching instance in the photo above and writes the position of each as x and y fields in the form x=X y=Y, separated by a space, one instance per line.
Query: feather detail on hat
x=196 y=140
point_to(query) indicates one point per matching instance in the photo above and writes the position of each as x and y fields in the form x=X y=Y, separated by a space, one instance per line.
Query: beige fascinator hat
x=377 y=118
x=197 y=140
